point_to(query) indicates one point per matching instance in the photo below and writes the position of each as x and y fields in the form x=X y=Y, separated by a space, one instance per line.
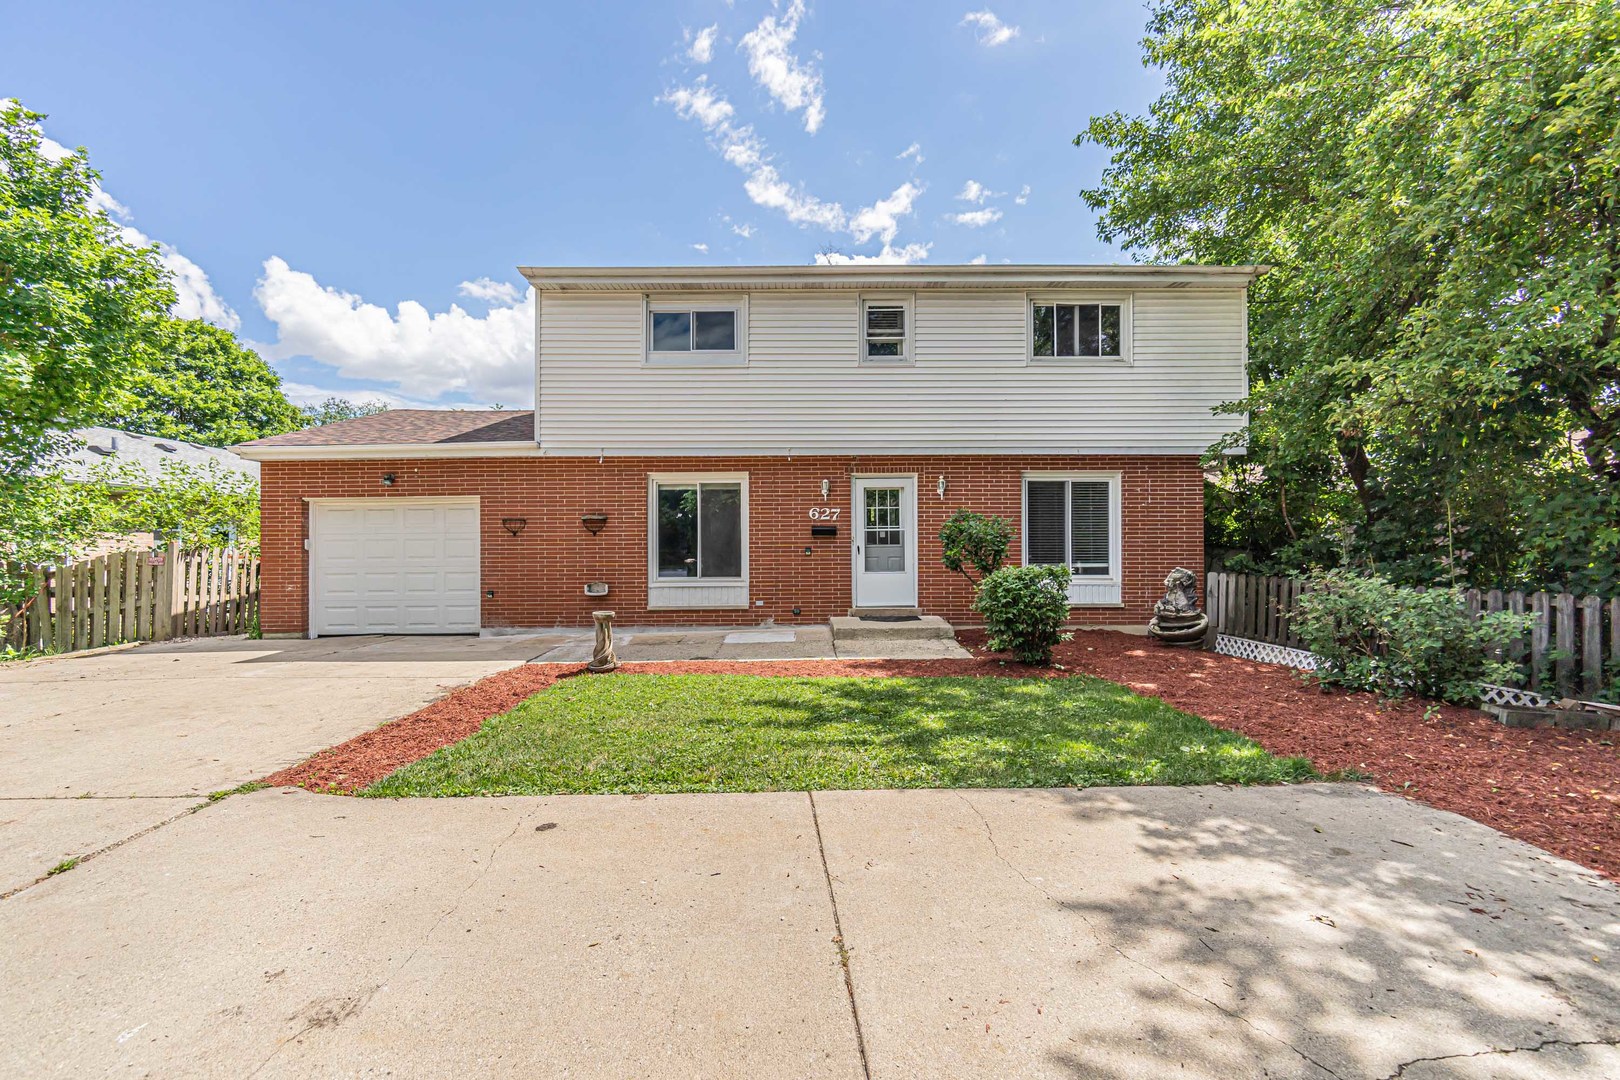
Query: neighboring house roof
x=144 y=455
x=475 y=429
x=869 y=276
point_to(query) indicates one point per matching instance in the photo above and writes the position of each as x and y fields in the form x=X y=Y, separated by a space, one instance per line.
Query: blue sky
x=350 y=187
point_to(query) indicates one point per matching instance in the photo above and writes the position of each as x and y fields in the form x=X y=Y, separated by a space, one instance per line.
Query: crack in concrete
x=80 y=860
x=838 y=940
x=1149 y=968
x=353 y=1007
x=1534 y=1048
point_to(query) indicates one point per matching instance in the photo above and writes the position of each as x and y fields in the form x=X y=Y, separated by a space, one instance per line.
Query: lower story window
x=699 y=530
x=1073 y=521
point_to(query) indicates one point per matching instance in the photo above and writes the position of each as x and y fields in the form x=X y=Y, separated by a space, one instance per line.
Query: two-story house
x=735 y=445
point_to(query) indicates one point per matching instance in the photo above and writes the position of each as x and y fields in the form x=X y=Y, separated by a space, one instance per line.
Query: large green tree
x=78 y=303
x=201 y=385
x=1434 y=358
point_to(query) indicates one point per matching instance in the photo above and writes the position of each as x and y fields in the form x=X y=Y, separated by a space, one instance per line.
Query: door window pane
x=677 y=532
x=885 y=534
x=714 y=331
x=671 y=331
x=720 y=530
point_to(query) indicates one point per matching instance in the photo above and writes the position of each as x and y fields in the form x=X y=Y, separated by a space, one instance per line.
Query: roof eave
x=657 y=278
x=373 y=451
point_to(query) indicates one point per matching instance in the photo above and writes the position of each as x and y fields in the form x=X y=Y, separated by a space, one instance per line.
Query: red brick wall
x=538 y=576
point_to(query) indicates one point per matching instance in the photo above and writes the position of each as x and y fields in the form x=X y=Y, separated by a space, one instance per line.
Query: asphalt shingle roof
x=415 y=426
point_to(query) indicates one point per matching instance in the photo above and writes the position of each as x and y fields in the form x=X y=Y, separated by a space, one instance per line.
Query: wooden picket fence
x=1573 y=646
x=138 y=595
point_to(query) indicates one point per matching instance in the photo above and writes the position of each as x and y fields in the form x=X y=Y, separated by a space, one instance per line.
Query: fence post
x=1565 y=665
x=1540 y=610
x=166 y=598
x=1591 y=645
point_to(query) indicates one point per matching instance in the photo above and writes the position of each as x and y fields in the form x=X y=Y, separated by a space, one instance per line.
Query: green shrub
x=1024 y=609
x=976 y=541
x=1395 y=640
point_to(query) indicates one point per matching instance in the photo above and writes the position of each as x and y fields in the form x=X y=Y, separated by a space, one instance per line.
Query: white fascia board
x=854 y=450
x=372 y=451
x=740 y=278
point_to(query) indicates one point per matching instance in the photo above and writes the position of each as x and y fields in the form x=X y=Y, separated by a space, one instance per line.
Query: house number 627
x=825 y=513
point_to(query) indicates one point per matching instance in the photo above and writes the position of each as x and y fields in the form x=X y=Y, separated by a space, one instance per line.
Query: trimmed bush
x=1395 y=640
x=975 y=541
x=1024 y=609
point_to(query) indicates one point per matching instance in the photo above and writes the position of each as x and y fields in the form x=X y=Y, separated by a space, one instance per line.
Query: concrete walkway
x=1321 y=931
x=95 y=749
x=750 y=643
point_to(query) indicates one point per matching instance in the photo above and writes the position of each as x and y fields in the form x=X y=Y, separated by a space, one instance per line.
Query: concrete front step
x=891 y=628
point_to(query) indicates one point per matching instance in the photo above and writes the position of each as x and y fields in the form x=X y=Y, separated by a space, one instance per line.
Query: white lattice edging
x=1265 y=652
x=1511 y=696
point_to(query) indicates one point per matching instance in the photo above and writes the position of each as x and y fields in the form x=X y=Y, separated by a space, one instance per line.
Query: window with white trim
x=1077 y=331
x=699 y=333
x=886 y=330
x=1073 y=521
x=699 y=530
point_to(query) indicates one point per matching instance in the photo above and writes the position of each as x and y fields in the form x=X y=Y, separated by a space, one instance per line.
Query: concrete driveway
x=95 y=749
x=1320 y=931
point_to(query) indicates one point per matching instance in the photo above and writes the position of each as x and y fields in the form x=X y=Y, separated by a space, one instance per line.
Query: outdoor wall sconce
x=940 y=487
x=826 y=486
x=388 y=479
x=594 y=523
x=514 y=525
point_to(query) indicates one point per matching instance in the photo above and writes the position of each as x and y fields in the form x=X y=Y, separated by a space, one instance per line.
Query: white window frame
x=1034 y=300
x=1115 y=556
x=737 y=305
x=657 y=480
x=904 y=301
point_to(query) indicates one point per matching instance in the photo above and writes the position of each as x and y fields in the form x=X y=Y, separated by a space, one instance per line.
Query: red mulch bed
x=1557 y=789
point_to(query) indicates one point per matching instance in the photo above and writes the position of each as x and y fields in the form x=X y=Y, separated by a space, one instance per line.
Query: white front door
x=886 y=542
x=394 y=566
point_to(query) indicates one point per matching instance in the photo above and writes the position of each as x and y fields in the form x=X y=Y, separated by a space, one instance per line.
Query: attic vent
x=104 y=451
x=167 y=448
x=885 y=331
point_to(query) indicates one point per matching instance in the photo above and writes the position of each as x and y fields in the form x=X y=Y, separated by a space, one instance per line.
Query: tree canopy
x=1434 y=363
x=200 y=384
x=78 y=303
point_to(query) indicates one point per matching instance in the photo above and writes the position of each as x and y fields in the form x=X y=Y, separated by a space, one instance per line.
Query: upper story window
x=700 y=333
x=886 y=330
x=1077 y=331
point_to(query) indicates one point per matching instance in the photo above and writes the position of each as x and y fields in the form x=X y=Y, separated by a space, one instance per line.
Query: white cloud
x=1023 y=195
x=744 y=231
x=502 y=293
x=914 y=151
x=992 y=31
x=766 y=187
x=704 y=248
x=891 y=256
x=978 y=260
x=793 y=84
x=701 y=51
x=309 y=394
x=699 y=102
x=881 y=219
x=975 y=192
x=195 y=297
x=975 y=219
x=488 y=357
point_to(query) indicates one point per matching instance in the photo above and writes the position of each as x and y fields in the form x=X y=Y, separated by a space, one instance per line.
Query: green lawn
x=665 y=733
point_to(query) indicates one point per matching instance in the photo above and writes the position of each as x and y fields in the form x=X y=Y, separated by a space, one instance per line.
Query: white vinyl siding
x=1073 y=519
x=970 y=386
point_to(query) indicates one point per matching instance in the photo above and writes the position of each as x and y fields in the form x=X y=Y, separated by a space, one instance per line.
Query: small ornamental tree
x=975 y=544
x=1024 y=609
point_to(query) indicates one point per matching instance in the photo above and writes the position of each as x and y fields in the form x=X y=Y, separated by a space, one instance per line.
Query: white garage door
x=394 y=566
